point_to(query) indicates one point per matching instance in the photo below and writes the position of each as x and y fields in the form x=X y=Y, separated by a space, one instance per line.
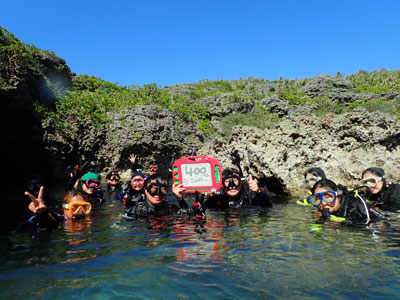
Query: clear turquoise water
x=271 y=254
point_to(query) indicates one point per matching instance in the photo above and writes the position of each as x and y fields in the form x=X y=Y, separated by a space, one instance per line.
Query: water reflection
x=277 y=253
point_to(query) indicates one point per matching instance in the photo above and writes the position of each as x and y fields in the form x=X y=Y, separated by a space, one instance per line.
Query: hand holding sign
x=197 y=174
x=177 y=190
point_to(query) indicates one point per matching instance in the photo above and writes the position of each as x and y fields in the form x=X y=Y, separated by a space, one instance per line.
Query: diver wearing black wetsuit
x=388 y=198
x=235 y=193
x=153 y=203
x=341 y=205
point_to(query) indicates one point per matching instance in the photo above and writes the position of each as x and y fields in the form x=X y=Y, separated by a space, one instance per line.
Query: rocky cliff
x=277 y=128
x=342 y=145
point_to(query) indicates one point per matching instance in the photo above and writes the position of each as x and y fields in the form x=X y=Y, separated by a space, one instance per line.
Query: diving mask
x=137 y=181
x=92 y=183
x=232 y=182
x=114 y=178
x=74 y=207
x=329 y=197
x=309 y=182
x=370 y=181
x=157 y=189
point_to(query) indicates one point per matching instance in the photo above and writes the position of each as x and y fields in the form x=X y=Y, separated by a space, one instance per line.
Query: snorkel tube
x=242 y=178
x=77 y=173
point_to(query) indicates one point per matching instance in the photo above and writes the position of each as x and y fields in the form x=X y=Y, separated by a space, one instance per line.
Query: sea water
x=277 y=253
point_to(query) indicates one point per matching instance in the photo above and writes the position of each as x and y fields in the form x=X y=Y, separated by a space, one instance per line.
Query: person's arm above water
x=259 y=196
x=44 y=219
x=177 y=190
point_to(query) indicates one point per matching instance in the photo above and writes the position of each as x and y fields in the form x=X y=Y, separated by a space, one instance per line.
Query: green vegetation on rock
x=18 y=59
x=259 y=118
x=253 y=101
x=377 y=82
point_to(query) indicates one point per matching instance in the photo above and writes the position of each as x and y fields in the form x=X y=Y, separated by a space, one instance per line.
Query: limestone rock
x=342 y=145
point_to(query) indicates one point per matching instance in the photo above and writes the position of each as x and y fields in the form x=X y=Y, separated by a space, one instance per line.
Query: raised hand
x=253 y=184
x=37 y=205
x=132 y=158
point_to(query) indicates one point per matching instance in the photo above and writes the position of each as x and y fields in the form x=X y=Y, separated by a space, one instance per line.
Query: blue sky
x=170 y=42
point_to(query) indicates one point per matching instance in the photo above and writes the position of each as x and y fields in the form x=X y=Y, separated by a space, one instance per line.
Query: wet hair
x=317 y=172
x=159 y=178
x=72 y=193
x=376 y=171
x=112 y=173
x=137 y=174
x=230 y=172
x=324 y=183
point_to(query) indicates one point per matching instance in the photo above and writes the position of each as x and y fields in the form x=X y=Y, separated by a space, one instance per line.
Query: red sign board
x=197 y=174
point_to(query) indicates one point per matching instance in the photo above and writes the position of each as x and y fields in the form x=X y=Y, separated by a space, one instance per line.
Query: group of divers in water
x=144 y=196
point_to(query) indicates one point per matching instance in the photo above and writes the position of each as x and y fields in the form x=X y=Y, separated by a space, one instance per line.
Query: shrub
x=259 y=118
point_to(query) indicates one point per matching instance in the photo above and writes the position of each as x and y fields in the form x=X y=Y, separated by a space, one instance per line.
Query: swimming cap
x=90 y=175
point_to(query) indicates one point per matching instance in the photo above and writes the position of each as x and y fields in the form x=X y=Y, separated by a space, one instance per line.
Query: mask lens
x=232 y=182
x=114 y=178
x=309 y=182
x=328 y=197
x=370 y=181
x=315 y=199
x=157 y=190
x=75 y=207
x=93 y=183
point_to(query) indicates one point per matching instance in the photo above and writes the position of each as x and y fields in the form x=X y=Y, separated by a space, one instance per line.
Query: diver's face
x=232 y=186
x=334 y=206
x=79 y=213
x=89 y=190
x=156 y=193
x=137 y=183
x=374 y=182
x=113 y=180
x=310 y=180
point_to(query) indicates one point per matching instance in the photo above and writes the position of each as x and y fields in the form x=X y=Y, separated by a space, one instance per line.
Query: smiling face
x=113 y=179
x=76 y=207
x=373 y=181
x=232 y=186
x=137 y=183
x=155 y=192
x=90 y=186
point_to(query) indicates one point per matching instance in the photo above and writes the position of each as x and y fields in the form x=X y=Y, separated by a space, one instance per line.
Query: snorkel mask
x=75 y=207
x=329 y=197
x=157 y=189
x=371 y=181
x=309 y=182
x=137 y=181
x=92 y=183
x=231 y=179
x=153 y=168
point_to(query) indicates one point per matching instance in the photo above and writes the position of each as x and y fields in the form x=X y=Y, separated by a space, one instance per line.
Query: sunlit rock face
x=342 y=145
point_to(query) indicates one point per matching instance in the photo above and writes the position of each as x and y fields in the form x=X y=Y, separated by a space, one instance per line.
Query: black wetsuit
x=222 y=201
x=39 y=222
x=96 y=199
x=113 y=192
x=355 y=210
x=388 y=198
x=144 y=209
